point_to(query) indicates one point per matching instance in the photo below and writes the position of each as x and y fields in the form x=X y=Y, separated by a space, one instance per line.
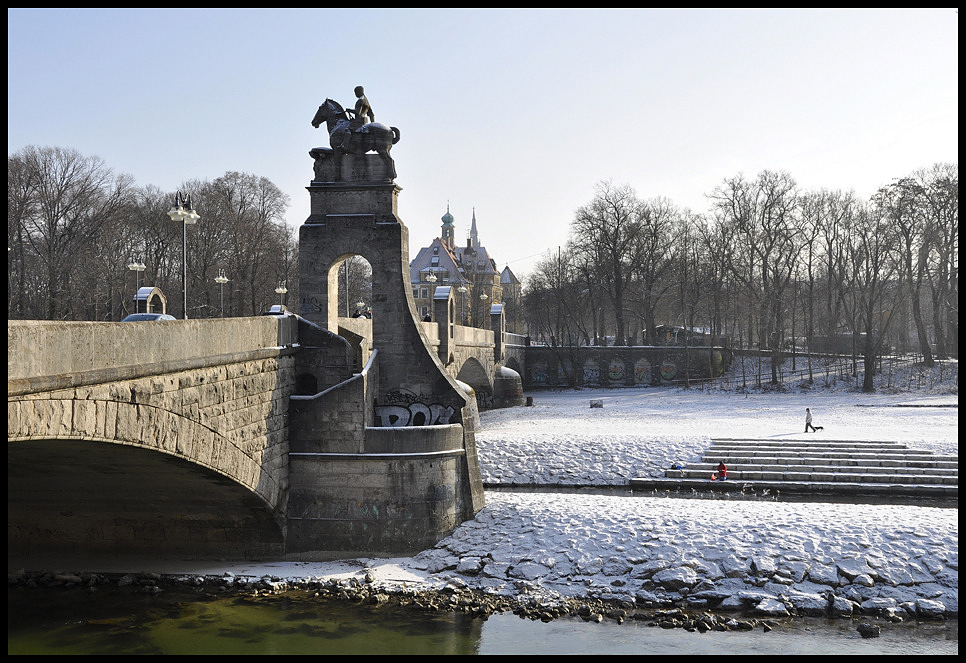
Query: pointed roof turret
x=474 y=236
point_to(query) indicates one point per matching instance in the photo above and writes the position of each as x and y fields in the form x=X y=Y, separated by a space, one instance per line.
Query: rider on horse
x=363 y=116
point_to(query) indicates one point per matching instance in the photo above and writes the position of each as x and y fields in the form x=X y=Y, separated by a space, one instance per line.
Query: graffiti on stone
x=310 y=305
x=668 y=370
x=642 y=372
x=615 y=372
x=540 y=374
x=401 y=397
x=404 y=408
x=591 y=372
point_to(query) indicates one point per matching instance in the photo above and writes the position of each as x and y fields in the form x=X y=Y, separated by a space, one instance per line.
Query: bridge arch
x=165 y=465
x=95 y=499
x=102 y=478
x=475 y=374
x=514 y=365
x=145 y=426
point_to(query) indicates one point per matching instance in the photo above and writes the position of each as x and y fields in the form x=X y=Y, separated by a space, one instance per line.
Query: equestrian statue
x=355 y=131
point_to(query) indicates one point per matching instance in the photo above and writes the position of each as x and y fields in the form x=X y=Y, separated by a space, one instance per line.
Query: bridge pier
x=385 y=462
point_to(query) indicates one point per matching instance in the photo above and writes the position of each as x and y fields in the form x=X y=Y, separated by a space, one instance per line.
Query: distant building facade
x=469 y=270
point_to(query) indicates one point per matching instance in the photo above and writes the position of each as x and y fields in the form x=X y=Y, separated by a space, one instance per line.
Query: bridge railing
x=517 y=339
x=44 y=354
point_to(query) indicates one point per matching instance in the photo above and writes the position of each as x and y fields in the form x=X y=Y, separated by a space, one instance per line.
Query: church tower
x=448 y=229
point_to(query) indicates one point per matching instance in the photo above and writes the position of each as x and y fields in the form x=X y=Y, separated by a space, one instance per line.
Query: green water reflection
x=112 y=620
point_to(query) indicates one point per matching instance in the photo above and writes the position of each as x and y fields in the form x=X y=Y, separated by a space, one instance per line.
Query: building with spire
x=476 y=282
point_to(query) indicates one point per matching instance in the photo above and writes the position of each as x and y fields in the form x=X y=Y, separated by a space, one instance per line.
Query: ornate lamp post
x=184 y=213
x=431 y=278
x=280 y=291
x=221 y=280
x=137 y=267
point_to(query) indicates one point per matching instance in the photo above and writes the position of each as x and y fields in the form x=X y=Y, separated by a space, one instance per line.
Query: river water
x=115 y=620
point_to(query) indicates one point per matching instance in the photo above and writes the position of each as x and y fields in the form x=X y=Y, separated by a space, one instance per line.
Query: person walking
x=808 y=422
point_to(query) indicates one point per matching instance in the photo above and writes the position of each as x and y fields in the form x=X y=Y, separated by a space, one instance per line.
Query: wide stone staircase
x=847 y=469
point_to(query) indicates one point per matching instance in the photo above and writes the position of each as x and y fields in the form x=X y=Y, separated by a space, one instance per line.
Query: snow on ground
x=642 y=432
x=890 y=558
x=769 y=556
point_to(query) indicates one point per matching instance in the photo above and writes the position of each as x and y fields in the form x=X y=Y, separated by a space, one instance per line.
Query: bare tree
x=552 y=317
x=73 y=200
x=249 y=210
x=873 y=269
x=761 y=214
x=652 y=262
x=903 y=204
x=607 y=231
x=940 y=190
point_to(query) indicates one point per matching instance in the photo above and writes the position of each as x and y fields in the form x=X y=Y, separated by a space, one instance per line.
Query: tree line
x=769 y=267
x=74 y=225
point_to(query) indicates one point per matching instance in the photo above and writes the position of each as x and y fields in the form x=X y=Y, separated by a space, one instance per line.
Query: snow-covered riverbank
x=768 y=557
x=760 y=557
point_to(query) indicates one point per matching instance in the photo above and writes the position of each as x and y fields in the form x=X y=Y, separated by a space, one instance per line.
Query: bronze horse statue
x=372 y=137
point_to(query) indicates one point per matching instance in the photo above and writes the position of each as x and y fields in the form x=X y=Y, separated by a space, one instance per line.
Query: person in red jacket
x=722 y=471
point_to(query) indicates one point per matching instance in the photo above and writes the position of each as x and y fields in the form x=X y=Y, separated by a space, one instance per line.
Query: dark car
x=137 y=317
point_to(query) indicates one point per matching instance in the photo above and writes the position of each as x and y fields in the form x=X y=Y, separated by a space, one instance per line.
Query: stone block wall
x=400 y=496
x=593 y=366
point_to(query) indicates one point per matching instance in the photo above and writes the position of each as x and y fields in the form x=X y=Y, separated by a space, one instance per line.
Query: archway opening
x=354 y=287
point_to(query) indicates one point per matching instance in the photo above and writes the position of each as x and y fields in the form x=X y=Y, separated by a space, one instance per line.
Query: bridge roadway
x=166 y=439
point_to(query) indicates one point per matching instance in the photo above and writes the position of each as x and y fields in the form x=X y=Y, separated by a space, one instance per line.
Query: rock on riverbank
x=452 y=598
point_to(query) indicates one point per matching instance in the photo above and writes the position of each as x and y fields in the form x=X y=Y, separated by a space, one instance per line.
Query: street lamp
x=281 y=290
x=137 y=267
x=183 y=212
x=221 y=280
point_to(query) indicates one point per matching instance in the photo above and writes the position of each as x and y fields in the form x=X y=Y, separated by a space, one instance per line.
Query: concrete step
x=942 y=494
x=880 y=469
x=824 y=448
x=817 y=456
x=823 y=477
x=792 y=460
x=711 y=464
x=755 y=442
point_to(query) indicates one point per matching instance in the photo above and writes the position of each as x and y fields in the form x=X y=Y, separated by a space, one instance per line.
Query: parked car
x=138 y=317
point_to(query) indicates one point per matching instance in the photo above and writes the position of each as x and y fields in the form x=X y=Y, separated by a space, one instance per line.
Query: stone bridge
x=303 y=437
x=174 y=439
x=148 y=438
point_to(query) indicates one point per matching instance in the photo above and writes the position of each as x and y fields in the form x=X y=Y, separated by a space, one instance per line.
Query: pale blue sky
x=518 y=113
